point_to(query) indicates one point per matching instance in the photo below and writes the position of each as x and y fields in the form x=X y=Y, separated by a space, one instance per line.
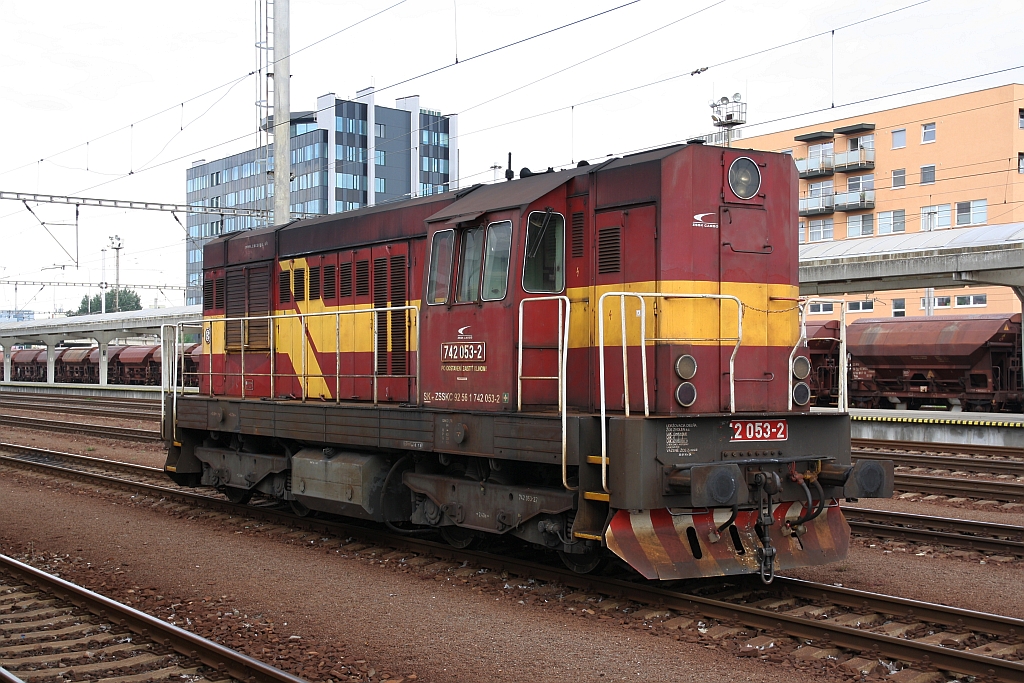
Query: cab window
x=544 y=265
x=440 y=273
x=497 y=253
x=469 y=264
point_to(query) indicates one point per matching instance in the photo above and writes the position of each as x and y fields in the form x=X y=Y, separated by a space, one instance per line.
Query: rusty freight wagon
x=950 y=362
x=600 y=359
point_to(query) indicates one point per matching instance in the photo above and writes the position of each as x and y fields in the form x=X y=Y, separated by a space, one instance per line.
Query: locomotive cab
x=606 y=357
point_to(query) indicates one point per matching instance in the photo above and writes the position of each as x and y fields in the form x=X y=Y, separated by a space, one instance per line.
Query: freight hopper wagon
x=954 y=362
x=606 y=358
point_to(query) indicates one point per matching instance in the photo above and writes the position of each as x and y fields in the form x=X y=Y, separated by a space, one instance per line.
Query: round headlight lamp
x=801 y=367
x=801 y=394
x=744 y=178
x=686 y=366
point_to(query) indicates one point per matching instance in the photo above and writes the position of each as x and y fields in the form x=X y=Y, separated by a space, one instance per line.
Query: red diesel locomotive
x=605 y=358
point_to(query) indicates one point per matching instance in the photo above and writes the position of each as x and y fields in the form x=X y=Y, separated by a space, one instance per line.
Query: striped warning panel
x=661 y=544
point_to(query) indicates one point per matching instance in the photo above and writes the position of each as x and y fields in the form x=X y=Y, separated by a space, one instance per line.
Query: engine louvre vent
x=362 y=278
x=609 y=250
x=578 y=223
x=345 y=280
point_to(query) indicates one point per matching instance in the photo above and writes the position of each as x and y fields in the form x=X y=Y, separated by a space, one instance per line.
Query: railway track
x=822 y=618
x=989 y=537
x=142 y=409
x=110 y=432
x=53 y=629
x=992 y=460
x=982 y=489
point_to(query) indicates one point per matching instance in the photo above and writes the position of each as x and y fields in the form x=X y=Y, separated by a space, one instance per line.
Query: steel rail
x=1002 y=491
x=126 y=433
x=72 y=409
x=949 y=531
x=929 y=447
x=117 y=465
x=945 y=462
x=798 y=626
x=216 y=656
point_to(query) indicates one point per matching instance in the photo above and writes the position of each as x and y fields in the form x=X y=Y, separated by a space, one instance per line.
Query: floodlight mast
x=727 y=114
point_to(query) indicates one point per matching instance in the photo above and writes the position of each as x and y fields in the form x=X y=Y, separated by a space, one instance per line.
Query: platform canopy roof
x=987 y=255
x=105 y=325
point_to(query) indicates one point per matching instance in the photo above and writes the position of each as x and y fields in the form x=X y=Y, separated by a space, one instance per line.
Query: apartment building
x=345 y=154
x=954 y=162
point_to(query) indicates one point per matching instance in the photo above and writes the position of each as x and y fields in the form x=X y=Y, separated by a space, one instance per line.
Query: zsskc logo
x=462 y=334
x=700 y=220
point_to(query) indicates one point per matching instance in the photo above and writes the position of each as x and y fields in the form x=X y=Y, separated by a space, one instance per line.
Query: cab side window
x=470 y=258
x=439 y=276
x=544 y=265
x=497 y=253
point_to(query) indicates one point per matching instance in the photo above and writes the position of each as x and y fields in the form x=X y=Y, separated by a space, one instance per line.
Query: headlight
x=686 y=394
x=686 y=366
x=801 y=394
x=801 y=367
x=744 y=178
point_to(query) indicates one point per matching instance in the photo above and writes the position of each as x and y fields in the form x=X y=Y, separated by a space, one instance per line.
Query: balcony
x=855 y=201
x=815 y=166
x=855 y=160
x=817 y=206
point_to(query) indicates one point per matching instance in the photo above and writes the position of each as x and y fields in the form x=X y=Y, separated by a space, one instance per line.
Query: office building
x=346 y=154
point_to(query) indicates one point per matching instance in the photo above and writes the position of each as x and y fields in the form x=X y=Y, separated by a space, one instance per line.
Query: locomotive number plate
x=759 y=430
x=474 y=351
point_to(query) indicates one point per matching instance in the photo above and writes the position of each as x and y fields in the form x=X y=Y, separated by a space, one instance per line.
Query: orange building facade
x=948 y=163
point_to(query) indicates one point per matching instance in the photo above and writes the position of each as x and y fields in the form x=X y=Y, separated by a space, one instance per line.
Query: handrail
x=841 y=399
x=563 y=364
x=643 y=355
x=245 y=322
x=169 y=375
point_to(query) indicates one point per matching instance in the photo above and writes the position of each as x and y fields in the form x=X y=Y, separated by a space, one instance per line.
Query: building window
x=899 y=178
x=860 y=306
x=927 y=133
x=1020 y=118
x=860 y=226
x=821 y=230
x=934 y=217
x=971 y=300
x=350 y=181
x=928 y=175
x=899 y=138
x=822 y=151
x=378 y=185
x=899 y=308
x=863 y=142
x=892 y=221
x=1020 y=162
x=442 y=139
x=972 y=213
x=859 y=183
x=426 y=164
x=822 y=189
x=215 y=179
x=379 y=157
x=817 y=309
x=802 y=233
x=380 y=130
x=937 y=302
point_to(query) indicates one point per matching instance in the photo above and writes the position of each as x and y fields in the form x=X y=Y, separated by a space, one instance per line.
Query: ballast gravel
x=353 y=612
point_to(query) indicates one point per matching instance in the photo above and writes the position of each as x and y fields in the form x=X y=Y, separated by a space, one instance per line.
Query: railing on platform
x=563 y=359
x=247 y=325
x=841 y=399
x=642 y=296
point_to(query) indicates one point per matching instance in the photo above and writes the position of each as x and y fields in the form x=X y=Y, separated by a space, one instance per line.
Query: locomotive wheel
x=238 y=496
x=458 y=537
x=582 y=563
x=298 y=508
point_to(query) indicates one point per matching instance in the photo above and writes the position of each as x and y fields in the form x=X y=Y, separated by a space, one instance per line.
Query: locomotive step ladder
x=593 y=506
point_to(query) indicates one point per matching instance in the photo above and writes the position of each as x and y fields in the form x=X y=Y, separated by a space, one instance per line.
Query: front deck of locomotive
x=667 y=422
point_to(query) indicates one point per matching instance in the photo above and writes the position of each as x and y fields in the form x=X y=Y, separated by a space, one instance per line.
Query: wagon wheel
x=459 y=537
x=582 y=563
x=298 y=508
x=238 y=496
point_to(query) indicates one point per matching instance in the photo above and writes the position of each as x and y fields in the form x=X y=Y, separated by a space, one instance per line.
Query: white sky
x=75 y=71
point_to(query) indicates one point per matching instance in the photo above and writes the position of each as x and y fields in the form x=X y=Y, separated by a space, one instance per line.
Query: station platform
x=117 y=391
x=982 y=429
